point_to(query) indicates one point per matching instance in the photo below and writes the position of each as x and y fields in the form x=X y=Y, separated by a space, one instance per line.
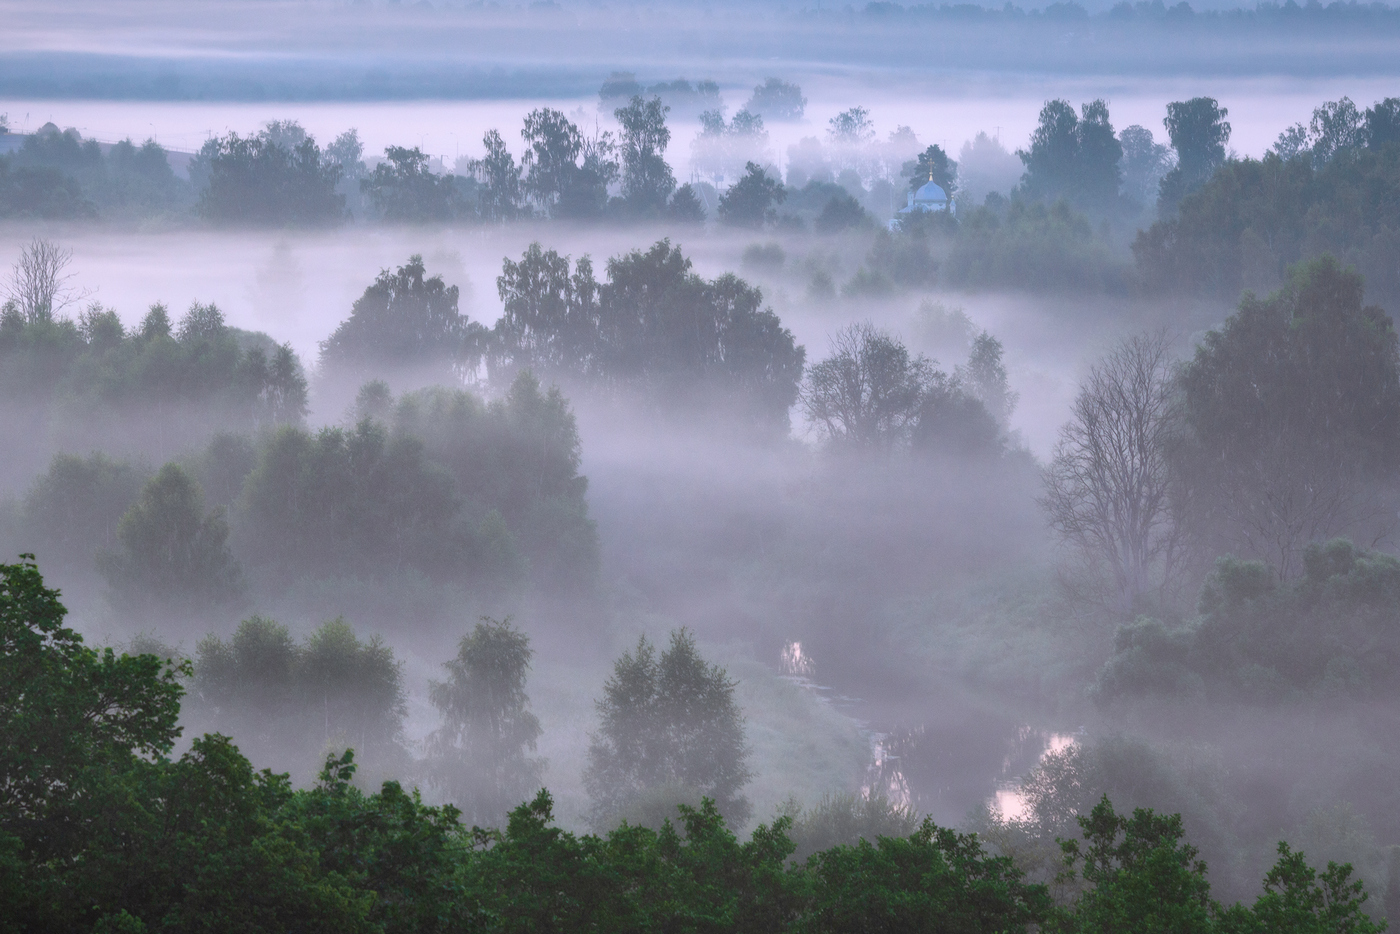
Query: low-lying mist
x=845 y=466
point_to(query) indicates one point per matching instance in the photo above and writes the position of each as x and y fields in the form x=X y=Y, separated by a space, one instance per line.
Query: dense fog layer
x=982 y=413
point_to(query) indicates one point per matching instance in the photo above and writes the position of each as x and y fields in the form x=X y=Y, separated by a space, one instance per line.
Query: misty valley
x=705 y=505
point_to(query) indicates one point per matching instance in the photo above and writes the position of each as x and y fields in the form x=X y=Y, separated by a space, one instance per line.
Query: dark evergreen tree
x=500 y=196
x=1073 y=158
x=933 y=165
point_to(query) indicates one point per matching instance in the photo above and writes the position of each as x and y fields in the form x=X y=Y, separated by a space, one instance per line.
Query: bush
x=1255 y=638
x=1031 y=246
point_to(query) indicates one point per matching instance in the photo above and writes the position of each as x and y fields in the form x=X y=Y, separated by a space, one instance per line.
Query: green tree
x=984 y=377
x=480 y=754
x=46 y=194
x=1099 y=155
x=851 y=127
x=1052 y=160
x=933 y=165
x=647 y=181
x=1145 y=161
x=72 y=511
x=847 y=819
x=1382 y=122
x=405 y=319
x=549 y=321
x=353 y=501
x=841 y=212
x=1141 y=876
x=1074 y=158
x=274 y=695
x=1199 y=132
x=518 y=458
x=751 y=201
x=1255 y=218
x=654 y=326
x=778 y=100
x=257 y=180
x=500 y=177
x=935 y=879
x=1293 y=408
x=1298 y=899
x=555 y=179
x=1258 y=639
x=403 y=188
x=247 y=686
x=353 y=690
x=92 y=383
x=1030 y=245
x=868 y=393
x=171 y=552
x=410 y=865
x=685 y=206
x=668 y=725
x=66 y=711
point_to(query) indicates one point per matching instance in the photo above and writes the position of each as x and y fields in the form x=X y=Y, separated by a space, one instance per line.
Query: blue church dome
x=932 y=192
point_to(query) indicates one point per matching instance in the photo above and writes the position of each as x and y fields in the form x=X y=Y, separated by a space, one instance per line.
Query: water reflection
x=795 y=663
x=945 y=754
x=1008 y=800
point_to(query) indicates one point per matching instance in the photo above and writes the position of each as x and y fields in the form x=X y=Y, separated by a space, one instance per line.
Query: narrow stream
x=946 y=753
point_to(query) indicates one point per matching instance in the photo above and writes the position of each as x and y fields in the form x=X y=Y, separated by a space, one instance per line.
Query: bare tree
x=869 y=391
x=39 y=285
x=1108 y=490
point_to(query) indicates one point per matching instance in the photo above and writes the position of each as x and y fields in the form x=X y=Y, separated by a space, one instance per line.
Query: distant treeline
x=1055 y=215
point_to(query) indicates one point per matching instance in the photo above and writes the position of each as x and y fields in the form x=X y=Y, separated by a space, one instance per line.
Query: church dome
x=931 y=192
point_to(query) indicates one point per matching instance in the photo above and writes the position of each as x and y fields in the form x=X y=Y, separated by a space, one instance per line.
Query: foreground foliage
x=101 y=831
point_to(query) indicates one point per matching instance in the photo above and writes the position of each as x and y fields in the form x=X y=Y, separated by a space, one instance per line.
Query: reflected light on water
x=794 y=662
x=1008 y=800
